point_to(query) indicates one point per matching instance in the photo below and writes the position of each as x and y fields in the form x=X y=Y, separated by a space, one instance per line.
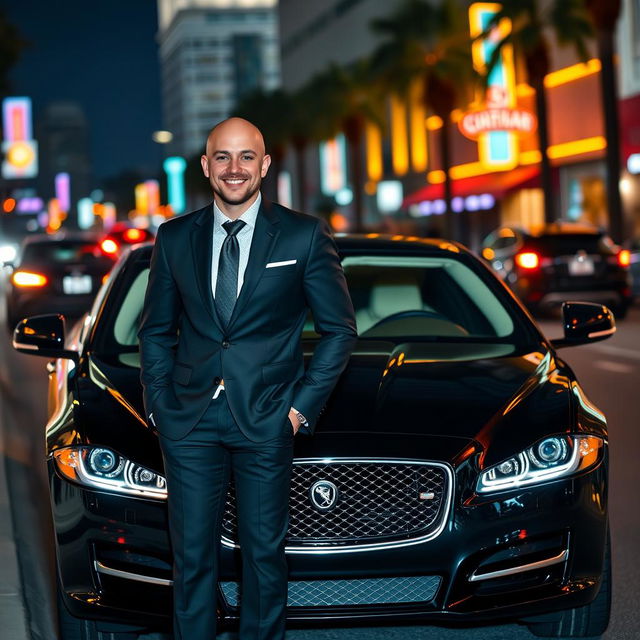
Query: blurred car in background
x=634 y=265
x=56 y=274
x=121 y=236
x=557 y=262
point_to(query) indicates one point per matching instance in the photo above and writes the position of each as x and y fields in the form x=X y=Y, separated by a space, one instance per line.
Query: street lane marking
x=614 y=367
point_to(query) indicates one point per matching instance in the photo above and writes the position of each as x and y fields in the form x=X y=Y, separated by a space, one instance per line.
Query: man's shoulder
x=182 y=222
x=296 y=218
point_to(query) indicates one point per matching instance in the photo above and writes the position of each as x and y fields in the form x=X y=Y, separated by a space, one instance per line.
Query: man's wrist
x=300 y=417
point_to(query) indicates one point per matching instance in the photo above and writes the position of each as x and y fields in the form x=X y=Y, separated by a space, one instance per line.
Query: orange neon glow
x=373 y=137
x=577 y=147
x=418 y=132
x=28 y=279
x=399 y=138
x=624 y=258
x=574 y=72
x=434 y=122
x=9 y=205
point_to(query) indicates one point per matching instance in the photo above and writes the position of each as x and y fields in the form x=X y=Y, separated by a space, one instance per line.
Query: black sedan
x=561 y=261
x=458 y=472
x=56 y=274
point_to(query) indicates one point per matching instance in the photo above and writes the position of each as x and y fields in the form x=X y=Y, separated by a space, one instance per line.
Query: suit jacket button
x=225 y=344
x=217 y=380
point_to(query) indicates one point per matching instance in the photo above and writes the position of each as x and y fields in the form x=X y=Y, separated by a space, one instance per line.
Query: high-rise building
x=213 y=52
x=63 y=137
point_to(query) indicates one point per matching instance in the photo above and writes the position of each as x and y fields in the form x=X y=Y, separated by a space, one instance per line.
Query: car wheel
x=72 y=628
x=580 y=622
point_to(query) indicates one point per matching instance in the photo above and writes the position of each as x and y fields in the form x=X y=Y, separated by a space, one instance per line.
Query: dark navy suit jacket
x=185 y=350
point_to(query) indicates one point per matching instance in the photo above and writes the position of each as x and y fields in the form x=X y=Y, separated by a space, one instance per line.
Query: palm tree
x=346 y=99
x=308 y=123
x=531 y=22
x=604 y=14
x=430 y=43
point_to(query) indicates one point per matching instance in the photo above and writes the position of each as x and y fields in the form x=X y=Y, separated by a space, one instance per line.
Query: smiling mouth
x=234 y=181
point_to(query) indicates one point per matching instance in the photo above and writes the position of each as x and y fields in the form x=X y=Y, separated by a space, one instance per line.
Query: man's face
x=235 y=162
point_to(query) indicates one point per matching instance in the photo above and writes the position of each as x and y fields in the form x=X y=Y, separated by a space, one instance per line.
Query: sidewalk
x=13 y=624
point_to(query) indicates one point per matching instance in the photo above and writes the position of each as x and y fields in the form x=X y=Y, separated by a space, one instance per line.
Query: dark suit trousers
x=197 y=470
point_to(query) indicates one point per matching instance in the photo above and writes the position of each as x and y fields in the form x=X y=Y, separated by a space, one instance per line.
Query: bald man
x=224 y=382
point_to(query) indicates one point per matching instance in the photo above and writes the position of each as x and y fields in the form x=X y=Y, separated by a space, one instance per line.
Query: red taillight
x=133 y=235
x=28 y=279
x=109 y=246
x=624 y=258
x=528 y=260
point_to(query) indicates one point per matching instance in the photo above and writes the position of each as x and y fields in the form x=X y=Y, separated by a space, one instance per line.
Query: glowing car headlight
x=103 y=468
x=549 y=459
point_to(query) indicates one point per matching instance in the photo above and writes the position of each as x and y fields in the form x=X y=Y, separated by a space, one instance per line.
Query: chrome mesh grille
x=377 y=501
x=336 y=593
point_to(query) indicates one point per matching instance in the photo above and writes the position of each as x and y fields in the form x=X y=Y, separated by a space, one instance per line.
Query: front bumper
x=515 y=555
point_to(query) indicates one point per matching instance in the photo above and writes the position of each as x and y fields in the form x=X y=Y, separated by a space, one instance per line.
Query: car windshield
x=61 y=252
x=423 y=297
x=395 y=298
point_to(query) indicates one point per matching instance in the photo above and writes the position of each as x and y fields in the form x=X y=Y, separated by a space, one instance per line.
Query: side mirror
x=43 y=336
x=585 y=322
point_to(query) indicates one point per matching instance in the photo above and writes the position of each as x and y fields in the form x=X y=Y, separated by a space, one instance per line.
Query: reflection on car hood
x=470 y=391
x=399 y=400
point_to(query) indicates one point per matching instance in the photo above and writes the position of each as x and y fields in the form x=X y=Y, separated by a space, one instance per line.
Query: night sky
x=103 y=55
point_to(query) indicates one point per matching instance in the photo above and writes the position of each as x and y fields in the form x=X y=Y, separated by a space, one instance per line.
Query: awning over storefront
x=629 y=110
x=497 y=184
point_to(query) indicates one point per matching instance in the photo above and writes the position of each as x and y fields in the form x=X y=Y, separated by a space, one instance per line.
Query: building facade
x=212 y=52
x=486 y=193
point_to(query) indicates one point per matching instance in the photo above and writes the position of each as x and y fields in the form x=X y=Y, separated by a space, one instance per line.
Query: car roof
x=376 y=242
x=565 y=228
x=43 y=238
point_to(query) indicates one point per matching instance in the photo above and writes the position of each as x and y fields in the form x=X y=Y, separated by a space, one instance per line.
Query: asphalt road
x=609 y=372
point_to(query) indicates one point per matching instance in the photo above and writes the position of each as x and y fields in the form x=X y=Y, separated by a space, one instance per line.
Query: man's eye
x=221 y=157
x=247 y=157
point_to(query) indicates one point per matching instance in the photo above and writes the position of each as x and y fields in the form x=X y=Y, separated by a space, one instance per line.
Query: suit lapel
x=264 y=239
x=201 y=250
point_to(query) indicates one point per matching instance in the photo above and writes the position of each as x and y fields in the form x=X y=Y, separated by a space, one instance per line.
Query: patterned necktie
x=227 y=280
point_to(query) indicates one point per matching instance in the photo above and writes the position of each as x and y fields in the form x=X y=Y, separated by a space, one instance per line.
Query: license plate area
x=76 y=285
x=581 y=267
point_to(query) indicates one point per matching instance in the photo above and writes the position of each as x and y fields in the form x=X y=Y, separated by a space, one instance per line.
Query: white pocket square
x=280 y=264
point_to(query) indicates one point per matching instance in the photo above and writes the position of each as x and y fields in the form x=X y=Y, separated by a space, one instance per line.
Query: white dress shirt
x=244 y=236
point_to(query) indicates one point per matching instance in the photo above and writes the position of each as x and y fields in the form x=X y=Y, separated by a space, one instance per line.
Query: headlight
x=548 y=459
x=102 y=468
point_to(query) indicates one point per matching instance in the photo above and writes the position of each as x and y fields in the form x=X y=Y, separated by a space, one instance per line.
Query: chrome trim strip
x=561 y=557
x=599 y=334
x=24 y=345
x=374 y=546
x=128 y=575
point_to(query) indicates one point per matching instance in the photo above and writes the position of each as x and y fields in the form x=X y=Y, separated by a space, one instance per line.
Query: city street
x=609 y=372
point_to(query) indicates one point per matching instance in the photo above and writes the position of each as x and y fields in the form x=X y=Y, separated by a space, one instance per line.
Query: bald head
x=235 y=163
x=235 y=128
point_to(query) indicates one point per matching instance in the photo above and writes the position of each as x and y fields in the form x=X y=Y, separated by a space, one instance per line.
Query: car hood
x=425 y=400
x=496 y=395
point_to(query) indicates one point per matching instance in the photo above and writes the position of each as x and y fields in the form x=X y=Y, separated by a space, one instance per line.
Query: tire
x=580 y=622
x=72 y=628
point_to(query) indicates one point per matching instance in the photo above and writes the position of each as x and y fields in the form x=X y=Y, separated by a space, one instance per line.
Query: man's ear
x=204 y=163
x=266 y=163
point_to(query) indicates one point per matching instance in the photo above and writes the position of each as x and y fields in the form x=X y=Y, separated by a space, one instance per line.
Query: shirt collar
x=248 y=217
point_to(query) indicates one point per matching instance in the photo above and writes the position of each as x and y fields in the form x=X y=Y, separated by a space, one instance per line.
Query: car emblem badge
x=324 y=495
x=427 y=495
